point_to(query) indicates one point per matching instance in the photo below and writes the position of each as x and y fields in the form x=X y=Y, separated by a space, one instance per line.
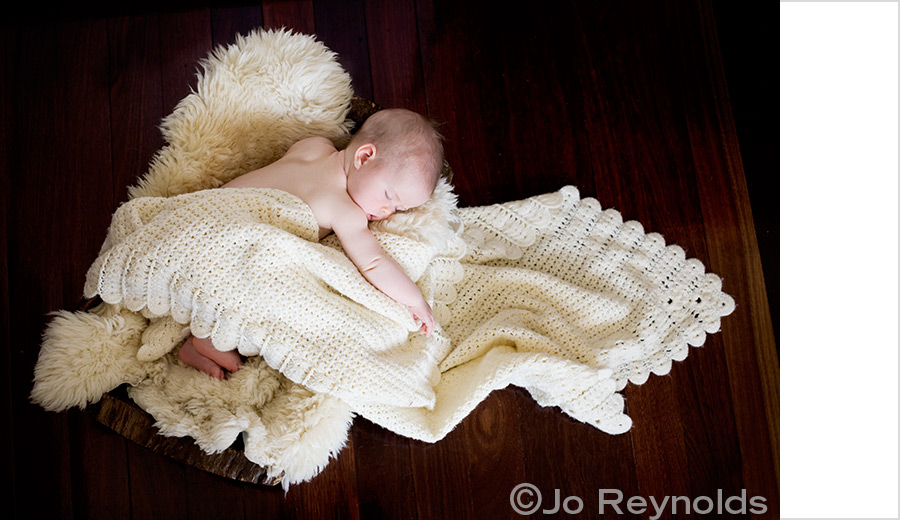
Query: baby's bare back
x=311 y=170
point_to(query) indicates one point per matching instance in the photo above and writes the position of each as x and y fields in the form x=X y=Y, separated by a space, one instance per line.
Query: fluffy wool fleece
x=551 y=293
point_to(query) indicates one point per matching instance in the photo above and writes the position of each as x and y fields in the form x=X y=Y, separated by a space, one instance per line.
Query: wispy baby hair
x=403 y=135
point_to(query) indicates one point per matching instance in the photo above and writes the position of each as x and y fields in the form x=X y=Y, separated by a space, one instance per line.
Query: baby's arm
x=379 y=268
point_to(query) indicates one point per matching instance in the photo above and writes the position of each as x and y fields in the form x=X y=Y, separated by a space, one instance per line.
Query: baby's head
x=396 y=159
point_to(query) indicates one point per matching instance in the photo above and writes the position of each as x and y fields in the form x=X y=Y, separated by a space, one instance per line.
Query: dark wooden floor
x=628 y=100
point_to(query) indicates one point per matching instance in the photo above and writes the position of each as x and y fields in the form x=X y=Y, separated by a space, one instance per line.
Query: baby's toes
x=230 y=361
x=193 y=359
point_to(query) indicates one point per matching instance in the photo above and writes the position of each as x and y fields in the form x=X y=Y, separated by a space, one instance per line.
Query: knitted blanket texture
x=551 y=293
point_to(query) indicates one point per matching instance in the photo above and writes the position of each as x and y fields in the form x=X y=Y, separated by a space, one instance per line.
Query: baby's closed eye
x=393 y=199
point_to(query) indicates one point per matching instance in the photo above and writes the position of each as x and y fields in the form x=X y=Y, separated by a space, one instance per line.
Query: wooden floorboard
x=628 y=101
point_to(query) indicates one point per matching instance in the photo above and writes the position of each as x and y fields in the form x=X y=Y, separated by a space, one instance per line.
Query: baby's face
x=382 y=191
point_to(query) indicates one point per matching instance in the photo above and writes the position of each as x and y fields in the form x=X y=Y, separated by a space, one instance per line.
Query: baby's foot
x=230 y=360
x=202 y=355
x=189 y=356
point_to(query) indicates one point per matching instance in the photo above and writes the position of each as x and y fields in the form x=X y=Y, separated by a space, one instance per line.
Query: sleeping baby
x=391 y=164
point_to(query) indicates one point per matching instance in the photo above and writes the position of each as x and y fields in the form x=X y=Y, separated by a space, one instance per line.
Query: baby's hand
x=422 y=312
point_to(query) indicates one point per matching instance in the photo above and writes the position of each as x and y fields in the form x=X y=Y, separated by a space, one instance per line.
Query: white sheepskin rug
x=551 y=293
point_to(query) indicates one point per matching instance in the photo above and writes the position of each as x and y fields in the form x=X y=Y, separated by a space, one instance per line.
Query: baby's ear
x=364 y=153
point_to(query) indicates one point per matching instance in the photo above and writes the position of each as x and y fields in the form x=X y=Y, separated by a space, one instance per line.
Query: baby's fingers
x=428 y=326
x=427 y=320
x=431 y=324
x=427 y=329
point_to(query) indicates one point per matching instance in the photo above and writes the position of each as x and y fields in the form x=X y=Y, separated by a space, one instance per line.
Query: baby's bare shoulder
x=332 y=206
x=311 y=148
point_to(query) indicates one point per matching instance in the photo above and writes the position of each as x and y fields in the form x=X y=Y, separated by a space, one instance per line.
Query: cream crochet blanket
x=551 y=293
